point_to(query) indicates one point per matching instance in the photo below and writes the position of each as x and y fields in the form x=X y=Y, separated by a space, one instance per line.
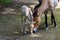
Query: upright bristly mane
x=36 y=7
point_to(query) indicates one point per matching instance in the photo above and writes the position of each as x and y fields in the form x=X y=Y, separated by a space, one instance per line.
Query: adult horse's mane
x=36 y=7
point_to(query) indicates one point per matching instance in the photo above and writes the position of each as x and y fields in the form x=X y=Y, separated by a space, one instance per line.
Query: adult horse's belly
x=55 y=2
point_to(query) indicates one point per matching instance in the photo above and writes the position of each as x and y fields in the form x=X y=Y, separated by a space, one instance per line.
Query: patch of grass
x=12 y=22
x=51 y=27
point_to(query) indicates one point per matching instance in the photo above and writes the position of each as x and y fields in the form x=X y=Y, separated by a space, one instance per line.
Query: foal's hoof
x=46 y=28
x=24 y=33
x=31 y=33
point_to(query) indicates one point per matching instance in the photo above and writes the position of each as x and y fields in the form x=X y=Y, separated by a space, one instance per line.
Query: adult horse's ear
x=39 y=1
x=58 y=0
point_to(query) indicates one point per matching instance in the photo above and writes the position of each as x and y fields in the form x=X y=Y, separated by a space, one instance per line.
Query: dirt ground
x=10 y=26
x=42 y=35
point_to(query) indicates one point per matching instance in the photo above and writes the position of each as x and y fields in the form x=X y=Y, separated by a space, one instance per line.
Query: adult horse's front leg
x=46 y=23
x=53 y=19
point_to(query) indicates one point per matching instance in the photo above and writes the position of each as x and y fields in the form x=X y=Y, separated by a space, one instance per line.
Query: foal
x=43 y=7
x=27 y=13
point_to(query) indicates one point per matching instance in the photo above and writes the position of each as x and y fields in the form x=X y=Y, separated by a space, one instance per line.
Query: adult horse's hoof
x=46 y=28
x=55 y=26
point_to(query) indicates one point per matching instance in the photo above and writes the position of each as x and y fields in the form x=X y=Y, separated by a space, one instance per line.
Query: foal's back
x=27 y=12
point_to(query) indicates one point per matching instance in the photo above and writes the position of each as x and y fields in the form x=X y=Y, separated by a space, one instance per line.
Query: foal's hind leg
x=53 y=19
x=24 y=25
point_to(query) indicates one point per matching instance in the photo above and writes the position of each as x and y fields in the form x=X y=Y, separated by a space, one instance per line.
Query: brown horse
x=43 y=7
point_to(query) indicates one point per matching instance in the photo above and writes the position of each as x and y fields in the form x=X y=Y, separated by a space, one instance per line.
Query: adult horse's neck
x=36 y=8
x=38 y=5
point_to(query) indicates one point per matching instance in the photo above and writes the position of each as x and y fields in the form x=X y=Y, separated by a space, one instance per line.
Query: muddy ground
x=10 y=26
